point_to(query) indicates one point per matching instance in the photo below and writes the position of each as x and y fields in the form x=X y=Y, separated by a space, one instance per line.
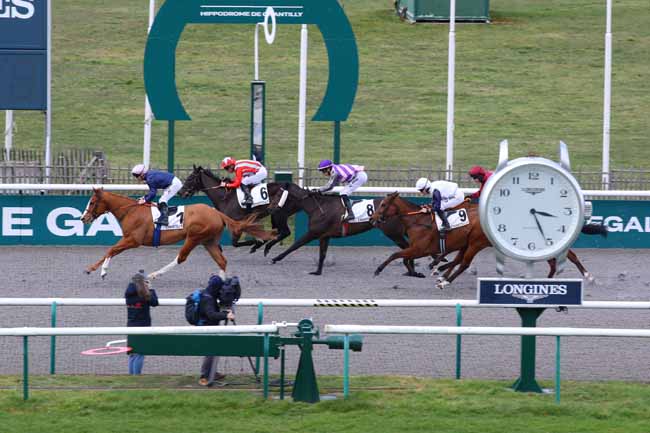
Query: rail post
x=557 y=369
x=260 y=319
x=346 y=366
x=53 y=339
x=25 y=368
x=459 y=322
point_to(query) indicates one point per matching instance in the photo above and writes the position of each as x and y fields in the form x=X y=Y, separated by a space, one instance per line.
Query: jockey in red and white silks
x=248 y=173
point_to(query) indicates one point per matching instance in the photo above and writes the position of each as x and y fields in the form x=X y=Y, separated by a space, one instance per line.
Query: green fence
x=54 y=220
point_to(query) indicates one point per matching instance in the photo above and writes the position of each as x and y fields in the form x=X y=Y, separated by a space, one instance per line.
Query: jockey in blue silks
x=169 y=183
x=349 y=175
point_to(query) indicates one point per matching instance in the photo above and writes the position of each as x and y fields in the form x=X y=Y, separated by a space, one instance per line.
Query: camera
x=229 y=293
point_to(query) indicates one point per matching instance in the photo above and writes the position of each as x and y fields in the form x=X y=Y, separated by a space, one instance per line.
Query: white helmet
x=423 y=185
x=138 y=170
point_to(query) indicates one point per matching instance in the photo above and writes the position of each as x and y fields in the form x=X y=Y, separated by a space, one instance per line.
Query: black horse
x=325 y=222
x=225 y=200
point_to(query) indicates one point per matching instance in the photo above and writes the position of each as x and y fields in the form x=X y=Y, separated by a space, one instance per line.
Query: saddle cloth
x=457 y=218
x=260 y=195
x=363 y=210
x=176 y=215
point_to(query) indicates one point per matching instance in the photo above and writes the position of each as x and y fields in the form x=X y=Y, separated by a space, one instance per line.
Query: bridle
x=92 y=209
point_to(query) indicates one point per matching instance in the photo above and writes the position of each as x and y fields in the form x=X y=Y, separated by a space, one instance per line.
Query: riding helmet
x=477 y=171
x=423 y=184
x=324 y=164
x=139 y=170
x=227 y=162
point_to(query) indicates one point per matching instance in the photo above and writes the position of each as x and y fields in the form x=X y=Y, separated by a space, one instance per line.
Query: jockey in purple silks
x=349 y=175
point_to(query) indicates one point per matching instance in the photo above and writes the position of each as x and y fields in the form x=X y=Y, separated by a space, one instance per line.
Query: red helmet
x=477 y=171
x=227 y=162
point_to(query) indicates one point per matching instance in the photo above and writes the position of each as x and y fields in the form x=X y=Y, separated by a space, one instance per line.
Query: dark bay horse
x=225 y=200
x=324 y=213
x=468 y=240
x=202 y=225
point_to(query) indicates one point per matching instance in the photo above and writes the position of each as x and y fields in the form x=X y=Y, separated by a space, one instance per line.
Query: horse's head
x=386 y=209
x=96 y=206
x=192 y=184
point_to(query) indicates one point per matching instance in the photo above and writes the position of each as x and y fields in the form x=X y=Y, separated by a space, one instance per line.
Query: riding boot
x=163 y=219
x=348 y=207
x=248 y=198
x=445 y=223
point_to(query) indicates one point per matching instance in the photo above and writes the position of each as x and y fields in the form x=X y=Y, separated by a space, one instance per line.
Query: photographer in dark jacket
x=211 y=315
x=139 y=298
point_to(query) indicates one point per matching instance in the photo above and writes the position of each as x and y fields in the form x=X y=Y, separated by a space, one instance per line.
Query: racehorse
x=201 y=225
x=469 y=240
x=324 y=213
x=225 y=200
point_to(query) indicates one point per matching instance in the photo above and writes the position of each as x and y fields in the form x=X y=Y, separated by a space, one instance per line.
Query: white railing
x=363 y=189
x=316 y=302
x=486 y=330
x=151 y=330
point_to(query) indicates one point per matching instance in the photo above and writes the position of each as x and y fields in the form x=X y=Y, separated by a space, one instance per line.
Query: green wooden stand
x=526 y=381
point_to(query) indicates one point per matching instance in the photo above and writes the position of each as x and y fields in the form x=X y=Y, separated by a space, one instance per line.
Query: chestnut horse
x=201 y=225
x=423 y=236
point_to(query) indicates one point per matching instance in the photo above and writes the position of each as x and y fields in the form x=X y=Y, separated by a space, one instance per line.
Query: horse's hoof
x=104 y=277
x=419 y=275
x=442 y=284
x=87 y=272
x=315 y=273
x=151 y=276
x=435 y=273
x=377 y=272
x=590 y=278
x=274 y=261
x=432 y=265
x=266 y=252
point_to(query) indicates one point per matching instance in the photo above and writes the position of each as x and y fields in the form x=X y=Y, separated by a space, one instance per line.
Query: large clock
x=532 y=209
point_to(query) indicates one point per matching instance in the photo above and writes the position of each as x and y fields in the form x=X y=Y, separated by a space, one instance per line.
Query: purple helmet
x=326 y=163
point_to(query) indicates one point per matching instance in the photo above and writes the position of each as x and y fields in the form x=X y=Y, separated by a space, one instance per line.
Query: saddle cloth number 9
x=456 y=218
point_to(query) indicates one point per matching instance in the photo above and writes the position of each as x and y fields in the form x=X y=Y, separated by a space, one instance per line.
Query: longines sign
x=542 y=292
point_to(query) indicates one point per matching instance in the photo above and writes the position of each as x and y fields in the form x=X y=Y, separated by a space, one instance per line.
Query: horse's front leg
x=122 y=245
x=411 y=252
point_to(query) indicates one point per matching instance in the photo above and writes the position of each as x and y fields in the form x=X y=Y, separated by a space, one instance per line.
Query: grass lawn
x=377 y=404
x=534 y=76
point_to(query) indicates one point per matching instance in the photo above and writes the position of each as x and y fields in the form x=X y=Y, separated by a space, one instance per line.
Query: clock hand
x=539 y=226
x=546 y=214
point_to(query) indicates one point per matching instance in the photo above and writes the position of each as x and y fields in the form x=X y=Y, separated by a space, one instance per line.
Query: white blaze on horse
x=202 y=225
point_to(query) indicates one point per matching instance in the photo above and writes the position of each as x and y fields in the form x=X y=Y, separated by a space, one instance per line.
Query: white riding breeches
x=171 y=190
x=357 y=181
x=256 y=178
x=453 y=201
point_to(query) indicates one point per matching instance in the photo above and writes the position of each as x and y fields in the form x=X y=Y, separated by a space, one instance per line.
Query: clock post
x=531 y=209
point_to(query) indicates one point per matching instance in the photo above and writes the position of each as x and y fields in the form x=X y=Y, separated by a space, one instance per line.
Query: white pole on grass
x=302 y=104
x=9 y=133
x=148 y=114
x=48 y=110
x=607 y=102
x=451 y=89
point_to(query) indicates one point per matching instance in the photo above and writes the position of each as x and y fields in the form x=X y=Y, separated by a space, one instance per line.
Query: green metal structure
x=266 y=346
x=526 y=381
x=438 y=10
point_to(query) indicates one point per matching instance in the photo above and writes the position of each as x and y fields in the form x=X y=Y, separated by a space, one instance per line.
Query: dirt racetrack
x=621 y=275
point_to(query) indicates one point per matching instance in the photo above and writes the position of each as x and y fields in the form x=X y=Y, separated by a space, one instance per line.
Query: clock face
x=532 y=210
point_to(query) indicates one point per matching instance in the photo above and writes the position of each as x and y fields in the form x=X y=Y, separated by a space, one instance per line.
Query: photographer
x=210 y=314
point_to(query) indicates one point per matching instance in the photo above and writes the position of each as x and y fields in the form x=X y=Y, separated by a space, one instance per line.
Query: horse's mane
x=210 y=174
x=410 y=204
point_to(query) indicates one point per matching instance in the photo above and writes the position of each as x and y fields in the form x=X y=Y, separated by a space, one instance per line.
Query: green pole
x=266 y=365
x=53 y=340
x=346 y=366
x=526 y=381
x=557 y=369
x=170 y=146
x=25 y=368
x=282 y=373
x=337 y=142
x=260 y=320
x=459 y=322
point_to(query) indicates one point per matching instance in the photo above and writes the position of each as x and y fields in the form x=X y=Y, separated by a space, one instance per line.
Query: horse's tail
x=248 y=226
x=595 y=229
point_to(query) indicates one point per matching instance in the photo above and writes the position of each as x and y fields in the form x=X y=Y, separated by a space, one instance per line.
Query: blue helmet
x=324 y=164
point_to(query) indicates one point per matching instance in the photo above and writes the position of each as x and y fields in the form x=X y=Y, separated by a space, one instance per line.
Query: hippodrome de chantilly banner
x=54 y=220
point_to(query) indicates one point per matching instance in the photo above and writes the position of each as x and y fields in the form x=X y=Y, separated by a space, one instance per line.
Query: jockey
x=445 y=195
x=480 y=175
x=351 y=176
x=248 y=173
x=169 y=183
